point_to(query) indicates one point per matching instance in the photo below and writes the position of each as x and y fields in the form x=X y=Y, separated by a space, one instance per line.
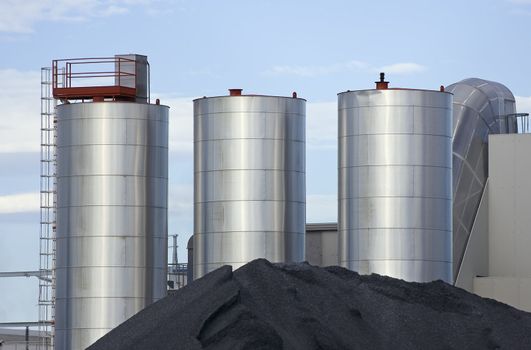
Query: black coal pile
x=299 y=306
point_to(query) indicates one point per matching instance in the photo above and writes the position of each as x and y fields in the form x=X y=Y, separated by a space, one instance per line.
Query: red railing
x=80 y=78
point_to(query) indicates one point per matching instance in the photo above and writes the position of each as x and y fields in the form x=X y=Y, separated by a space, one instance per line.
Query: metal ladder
x=47 y=214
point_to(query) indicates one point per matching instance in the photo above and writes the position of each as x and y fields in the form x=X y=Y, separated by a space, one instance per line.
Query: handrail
x=103 y=59
x=62 y=70
x=515 y=123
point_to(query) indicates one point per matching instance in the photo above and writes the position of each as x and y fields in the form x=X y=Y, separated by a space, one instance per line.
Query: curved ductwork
x=480 y=108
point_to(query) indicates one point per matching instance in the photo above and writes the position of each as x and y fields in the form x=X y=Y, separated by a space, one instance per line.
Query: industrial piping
x=480 y=108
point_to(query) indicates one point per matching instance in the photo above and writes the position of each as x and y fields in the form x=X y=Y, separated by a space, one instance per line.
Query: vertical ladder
x=47 y=214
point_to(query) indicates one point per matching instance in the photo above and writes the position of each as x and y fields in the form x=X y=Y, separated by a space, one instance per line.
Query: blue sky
x=197 y=48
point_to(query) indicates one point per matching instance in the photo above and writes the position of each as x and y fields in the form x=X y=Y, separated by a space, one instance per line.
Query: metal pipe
x=38 y=274
x=190 y=250
x=148 y=82
x=175 y=258
x=21 y=274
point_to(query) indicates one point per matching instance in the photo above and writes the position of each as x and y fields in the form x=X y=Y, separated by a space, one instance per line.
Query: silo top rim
x=249 y=95
x=396 y=89
x=113 y=102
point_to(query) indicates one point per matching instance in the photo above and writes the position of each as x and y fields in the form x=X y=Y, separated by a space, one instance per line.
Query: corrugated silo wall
x=395 y=176
x=249 y=178
x=112 y=185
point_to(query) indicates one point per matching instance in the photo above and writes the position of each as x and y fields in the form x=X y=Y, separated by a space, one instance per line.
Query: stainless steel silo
x=480 y=108
x=112 y=184
x=395 y=183
x=249 y=178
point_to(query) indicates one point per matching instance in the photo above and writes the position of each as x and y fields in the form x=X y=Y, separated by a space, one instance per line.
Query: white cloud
x=113 y=10
x=312 y=71
x=321 y=124
x=351 y=66
x=19 y=203
x=20 y=101
x=402 y=68
x=20 y=16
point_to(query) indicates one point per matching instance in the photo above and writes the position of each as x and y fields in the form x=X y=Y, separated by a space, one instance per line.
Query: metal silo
x=395 y=182
x=480 y=108
x=249 y=178
x=112 y=186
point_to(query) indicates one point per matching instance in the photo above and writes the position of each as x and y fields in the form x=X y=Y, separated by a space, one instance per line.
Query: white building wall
x=476 y=257
x=510 y=205
x=509 y=222
x=515 y=291
x=321 y=244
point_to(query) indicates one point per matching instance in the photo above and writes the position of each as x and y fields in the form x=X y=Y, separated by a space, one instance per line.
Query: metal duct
x=112 y=179
x=395 y=176
x=249 y=178
x=481 y=107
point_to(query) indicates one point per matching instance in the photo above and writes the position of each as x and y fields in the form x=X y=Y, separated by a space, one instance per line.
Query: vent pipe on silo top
x=382 y=84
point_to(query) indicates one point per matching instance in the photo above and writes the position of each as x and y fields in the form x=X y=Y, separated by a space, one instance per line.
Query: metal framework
x=177 y=272
x=522 y=122
x=177 y=275
x=47 y=213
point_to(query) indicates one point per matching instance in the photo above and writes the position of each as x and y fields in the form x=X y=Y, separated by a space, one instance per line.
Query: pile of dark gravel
x=299 y=306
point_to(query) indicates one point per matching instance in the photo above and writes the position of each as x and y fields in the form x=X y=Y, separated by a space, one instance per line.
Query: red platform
x=91 y=92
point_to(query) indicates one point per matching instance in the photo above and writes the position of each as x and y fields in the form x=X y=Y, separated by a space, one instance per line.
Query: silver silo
x=112 y=184
x=249 y=178
x=481 y=107
x=395 y=182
